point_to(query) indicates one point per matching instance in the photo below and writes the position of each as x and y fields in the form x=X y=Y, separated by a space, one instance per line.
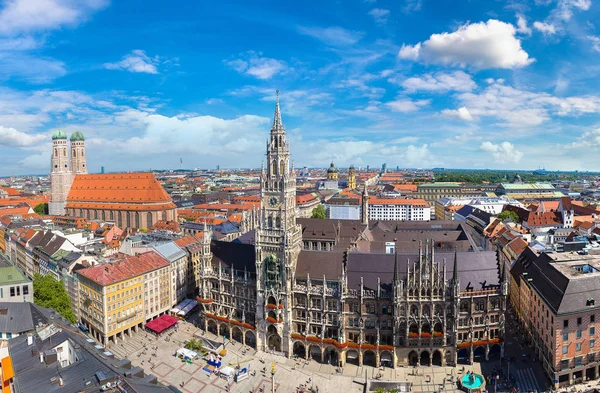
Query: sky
x=411 y=83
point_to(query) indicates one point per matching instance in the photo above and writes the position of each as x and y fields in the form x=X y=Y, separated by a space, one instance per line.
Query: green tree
x=508 y=215
x=41 y=209
x=194 y=345
x=319 y=212
x=49 y=293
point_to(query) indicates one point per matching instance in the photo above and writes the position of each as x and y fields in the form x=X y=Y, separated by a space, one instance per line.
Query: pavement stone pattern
x=289 y=373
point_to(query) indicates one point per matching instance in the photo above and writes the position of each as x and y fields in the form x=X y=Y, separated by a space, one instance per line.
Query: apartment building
x=112 y=296
x=397 y=209
x=554 y=297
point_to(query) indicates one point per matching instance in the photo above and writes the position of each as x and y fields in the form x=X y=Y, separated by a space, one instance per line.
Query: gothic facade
x=378 y=293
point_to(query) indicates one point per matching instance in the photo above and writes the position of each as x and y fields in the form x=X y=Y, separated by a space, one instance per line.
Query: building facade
x=554 y=298
x=397 y=209
x=361 y=291
x=113 y=296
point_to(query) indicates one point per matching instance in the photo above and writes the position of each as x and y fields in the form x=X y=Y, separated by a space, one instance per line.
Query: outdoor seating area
x=161 y=324
x=184 y=308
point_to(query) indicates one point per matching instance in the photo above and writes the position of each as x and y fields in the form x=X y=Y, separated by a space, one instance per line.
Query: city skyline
x=415 y=83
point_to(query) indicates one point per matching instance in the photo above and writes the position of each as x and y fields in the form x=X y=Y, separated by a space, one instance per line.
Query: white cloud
x=522 y=25
x=411 y=6
x=380 y=15
x=504 y=152
x=335 y=36
x=406 y=105
x=417 y=155
x=564 y=9
x=212 y=101
x=479 y=45
x=253 y=64
x=136 y=61
x=595 y=42
x=461 y=113
x=19 y=16
x=410 y=52
x=544 y=28
x=12 y=137
x=439 y=82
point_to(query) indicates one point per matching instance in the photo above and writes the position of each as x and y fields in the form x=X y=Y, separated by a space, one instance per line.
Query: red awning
x=162 y=323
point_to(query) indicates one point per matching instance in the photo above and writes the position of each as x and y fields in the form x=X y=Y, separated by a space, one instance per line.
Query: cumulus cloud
x=544 y=28
x=461 y=113
x=483 y=45
x=136 y=61
x=595 y=40
x=439 y=82
x=522 y=25
x=380 y=15
x=522 y=108
x=12 y=137
x=253 y=64
x=335 y=36
x=406 y=105
x=504 y=152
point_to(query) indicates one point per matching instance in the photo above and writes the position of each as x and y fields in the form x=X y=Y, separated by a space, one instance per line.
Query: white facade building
x=399 y=209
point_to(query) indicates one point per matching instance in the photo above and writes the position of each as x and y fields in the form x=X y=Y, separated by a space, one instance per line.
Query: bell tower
x=278 y=240
x=60 y=175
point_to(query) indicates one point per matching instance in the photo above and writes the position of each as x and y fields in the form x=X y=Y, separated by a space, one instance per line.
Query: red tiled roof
x=120 y=191
x=517 y=245
x=398 y=201
x=11 y=191
x=301 y=199
x=544 y=219
x=123 y=269
x=186 y=241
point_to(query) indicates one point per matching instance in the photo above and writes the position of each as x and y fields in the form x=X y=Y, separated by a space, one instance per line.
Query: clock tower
x=278 y=240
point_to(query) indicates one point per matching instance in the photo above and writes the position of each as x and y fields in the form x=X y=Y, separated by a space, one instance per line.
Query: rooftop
x=124 y=269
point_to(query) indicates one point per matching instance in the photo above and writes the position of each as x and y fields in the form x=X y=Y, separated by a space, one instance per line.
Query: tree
x=41 y=209
x=509 y=215
x=194 y=345
x=319 y=212
x=49 y=293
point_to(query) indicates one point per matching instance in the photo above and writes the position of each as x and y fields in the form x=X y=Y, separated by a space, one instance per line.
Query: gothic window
x=278 y=222
x=74 y=153
x=274 y=169
x=149 y=219
x=439 y=310
x=164 y=216
x=272 y=272
x=426 y=310
x=137 y=219
x=465 y=306
x=128 y=218
x=270 y=222
x=414 y=310
x=103 y=215
x=281 y=167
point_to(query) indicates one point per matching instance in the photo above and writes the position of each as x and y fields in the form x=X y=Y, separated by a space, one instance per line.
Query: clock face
x=273 y=201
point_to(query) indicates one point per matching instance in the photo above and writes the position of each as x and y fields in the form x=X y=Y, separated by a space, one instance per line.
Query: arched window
x=278 y=222
x=128 y=218
x=137 y=220
x=270 y=222
x=149 y=222
x=274 y=168
x=282 y=167
x=103 y=215
x=55 y=152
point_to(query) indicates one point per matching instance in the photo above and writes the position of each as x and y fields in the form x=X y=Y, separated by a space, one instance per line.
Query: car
x=524 y=357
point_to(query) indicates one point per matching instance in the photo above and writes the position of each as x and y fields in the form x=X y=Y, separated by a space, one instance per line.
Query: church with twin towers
x=366 y=292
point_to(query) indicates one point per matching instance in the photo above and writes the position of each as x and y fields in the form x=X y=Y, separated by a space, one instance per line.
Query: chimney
x=29 y=340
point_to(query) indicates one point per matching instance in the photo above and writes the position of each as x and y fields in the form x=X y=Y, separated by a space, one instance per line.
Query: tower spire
x=396 y=276
x=455 y=271
x=277 y=123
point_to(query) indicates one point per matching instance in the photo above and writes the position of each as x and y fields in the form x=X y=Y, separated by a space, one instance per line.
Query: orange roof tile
x=405 y=187
x=120 y=191
x=11 y=191
x=186 y=241
x=125 y=268
x=398 y=201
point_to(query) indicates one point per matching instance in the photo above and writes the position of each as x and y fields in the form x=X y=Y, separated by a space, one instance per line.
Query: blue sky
x=413 y=83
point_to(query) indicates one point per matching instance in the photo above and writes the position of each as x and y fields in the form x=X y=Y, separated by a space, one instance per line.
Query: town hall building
x=351 y=291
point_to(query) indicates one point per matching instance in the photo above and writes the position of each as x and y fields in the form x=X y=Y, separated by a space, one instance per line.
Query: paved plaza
x=289 y=373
